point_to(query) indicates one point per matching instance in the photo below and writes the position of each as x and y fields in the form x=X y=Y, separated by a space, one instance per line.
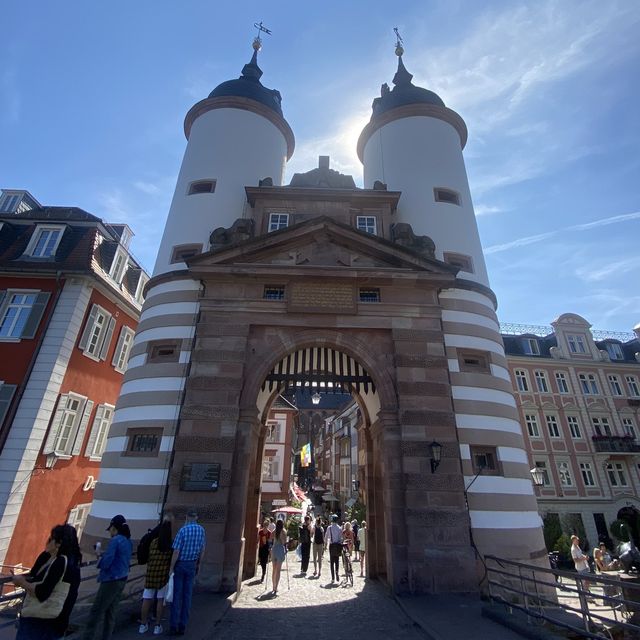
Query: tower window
x=202 y=186
x=143 y=442
x=464 y=263
x=182 y=252
x=163 y=351
x=446 y=195
x=368 y=224
x=369 y=295
x=473 y=362
x=278 y=221
x=273 y=292
x=485 y=461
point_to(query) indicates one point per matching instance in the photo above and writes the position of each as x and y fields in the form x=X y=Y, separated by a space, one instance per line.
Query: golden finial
x=399 y=41
x=257 y=41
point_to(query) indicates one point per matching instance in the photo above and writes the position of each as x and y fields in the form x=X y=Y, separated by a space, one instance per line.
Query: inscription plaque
x=320 y=297
x=200 y=476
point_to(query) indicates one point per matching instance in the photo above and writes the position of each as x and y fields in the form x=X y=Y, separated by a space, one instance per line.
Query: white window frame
x=275 y=431
x=368 y=224
x=565 y=473
x=270 y=469
x=577 y=343
x=629 y=427
x=562 y=383
x=24 y=312
x=601 y=426
x=632 y=384
x=588 y=477
x=99 y=432
x=616 y=474
x=278 y=221
x=35 y=238
x=553 y=427
x=614 y=350
x=69 y=425
x=533 y=429
x=78 y=517
x=542 y=383
x=97 y=334
x=530 y=346
x=574 y=427
x=522 y=380
x=123 y=349
x=118 y=269
x=614 y=385
x=144 y=278
x=588 y=384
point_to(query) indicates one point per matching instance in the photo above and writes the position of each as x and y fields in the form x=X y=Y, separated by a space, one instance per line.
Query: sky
x=93 y=98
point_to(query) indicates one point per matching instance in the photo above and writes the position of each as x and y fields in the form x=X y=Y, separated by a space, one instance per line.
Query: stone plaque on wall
x=199 y=476
x=322 y=297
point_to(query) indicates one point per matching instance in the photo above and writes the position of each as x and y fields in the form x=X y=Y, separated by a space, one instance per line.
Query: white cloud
x=486 y=210
x=593 y=273
x=147 y=187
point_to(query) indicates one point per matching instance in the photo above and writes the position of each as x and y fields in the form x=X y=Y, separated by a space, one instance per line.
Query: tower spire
x=402 y=76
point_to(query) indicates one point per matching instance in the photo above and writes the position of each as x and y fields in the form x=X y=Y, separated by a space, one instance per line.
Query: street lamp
x=315 y=398
x=436 y=455
x=537 y=474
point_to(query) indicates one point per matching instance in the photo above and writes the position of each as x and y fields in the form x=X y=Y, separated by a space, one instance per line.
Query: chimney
x=323 y=162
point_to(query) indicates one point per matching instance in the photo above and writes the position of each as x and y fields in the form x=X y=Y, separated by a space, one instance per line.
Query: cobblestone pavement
x=316 y=607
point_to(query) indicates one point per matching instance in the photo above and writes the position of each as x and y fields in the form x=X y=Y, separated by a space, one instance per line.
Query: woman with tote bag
x=51 y=587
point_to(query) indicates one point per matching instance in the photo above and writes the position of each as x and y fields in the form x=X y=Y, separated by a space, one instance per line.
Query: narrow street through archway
x=309 y=606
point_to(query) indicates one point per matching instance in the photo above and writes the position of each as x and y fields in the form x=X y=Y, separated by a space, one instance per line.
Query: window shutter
x=6 y=394
x=116 y=354
x=88 y=327
x=275 y=469
x=93 y=436
x=107 y=338
x=82 y=429
x=54 y=429
x=37 y=311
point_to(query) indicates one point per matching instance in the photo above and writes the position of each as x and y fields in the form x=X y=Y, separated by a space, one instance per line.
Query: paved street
x=317 y=608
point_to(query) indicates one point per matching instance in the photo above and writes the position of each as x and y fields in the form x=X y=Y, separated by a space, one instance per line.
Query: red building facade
x=70 y=297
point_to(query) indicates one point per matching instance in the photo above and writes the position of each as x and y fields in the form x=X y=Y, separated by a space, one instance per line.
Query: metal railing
x=10 y=601
x=591 y=605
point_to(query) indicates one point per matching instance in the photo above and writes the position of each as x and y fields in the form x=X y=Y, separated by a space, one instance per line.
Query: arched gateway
x=392 y=284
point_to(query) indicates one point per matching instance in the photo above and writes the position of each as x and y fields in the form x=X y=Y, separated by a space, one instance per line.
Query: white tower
x=414 y=143
x=236 y=137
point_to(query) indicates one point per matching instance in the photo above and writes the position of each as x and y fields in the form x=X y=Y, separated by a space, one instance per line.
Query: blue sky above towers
x=93 y=96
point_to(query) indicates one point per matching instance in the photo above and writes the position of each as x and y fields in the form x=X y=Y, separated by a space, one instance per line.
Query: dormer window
x=144 y=278
x=576 y=343
x=278 y=221
x=530 y=346
x=118 y=266
x=368 y=224
x=44 y=242
x=614 y=350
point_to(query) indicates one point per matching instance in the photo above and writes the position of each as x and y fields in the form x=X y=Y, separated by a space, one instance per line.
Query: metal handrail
x=538 y=592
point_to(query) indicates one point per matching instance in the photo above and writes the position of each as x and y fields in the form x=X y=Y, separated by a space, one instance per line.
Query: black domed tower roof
x=248 y=85
x=404 y=92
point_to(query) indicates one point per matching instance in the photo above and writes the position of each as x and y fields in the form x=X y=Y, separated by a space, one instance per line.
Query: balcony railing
x=615 y=444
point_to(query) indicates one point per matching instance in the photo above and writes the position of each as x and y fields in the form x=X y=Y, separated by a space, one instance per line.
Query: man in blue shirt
x=188 y=547
x=114 y=570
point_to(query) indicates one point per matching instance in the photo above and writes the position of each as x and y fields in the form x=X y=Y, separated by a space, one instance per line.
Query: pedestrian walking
x=333 y=538
x=114 y=570
x=305 y=544
x=264 y=546
x=356 y=543
x=278 y=554
x=157 y=576
x=188 y=547
x=318 y=546
x=362 y=543
x=51 y=587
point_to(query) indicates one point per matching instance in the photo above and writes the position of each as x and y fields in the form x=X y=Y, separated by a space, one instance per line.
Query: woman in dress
x=157 y=577
x=278 y=554
x=347 y=535
x=264 y=546
x=362 y=539
x=51 y=587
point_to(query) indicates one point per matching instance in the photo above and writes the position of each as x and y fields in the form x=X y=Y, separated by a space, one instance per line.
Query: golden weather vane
x=257 y=41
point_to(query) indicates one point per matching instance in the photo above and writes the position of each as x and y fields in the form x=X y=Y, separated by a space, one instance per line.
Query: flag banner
x=305 y=455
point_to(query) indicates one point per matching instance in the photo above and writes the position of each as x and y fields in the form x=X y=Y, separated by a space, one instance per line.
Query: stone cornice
x=244 y=104
x=470 y=285
x=410 y=111
x=358 y=197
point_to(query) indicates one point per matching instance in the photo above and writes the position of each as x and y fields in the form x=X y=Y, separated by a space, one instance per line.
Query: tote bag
x=52 y=606
x=168 y=596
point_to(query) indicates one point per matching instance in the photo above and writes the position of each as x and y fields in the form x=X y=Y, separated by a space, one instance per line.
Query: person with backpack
x=305 y=544
x=318 y=546
x=158 y=559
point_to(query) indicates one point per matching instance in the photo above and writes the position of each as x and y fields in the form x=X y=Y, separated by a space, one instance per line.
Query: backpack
x=142 y=551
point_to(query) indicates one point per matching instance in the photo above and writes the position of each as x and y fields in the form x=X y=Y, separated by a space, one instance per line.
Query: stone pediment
x=321 y=242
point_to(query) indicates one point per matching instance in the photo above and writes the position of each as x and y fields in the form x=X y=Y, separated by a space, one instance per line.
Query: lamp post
x=315 y=398
x=436 y=455
x=537 y=475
